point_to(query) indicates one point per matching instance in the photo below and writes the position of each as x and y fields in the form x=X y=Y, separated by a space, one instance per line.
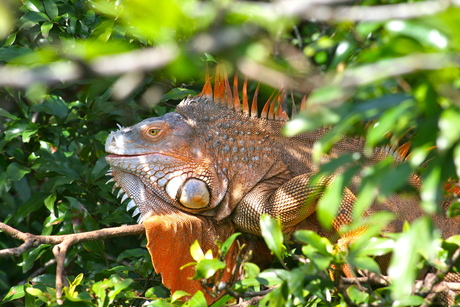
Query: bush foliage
x=71 y=70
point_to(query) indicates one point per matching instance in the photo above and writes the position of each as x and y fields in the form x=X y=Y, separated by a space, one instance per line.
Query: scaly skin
x=213 y=167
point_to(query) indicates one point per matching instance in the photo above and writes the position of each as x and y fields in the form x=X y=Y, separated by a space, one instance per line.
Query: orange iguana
x=215 y=166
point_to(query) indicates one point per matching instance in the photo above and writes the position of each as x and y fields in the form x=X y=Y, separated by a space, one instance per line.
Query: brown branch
x=433 y=283
x=61 y=245
x=372 y=280
x=250 y=302
x=250 y=294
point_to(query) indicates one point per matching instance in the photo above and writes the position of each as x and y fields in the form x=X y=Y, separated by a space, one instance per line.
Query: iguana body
x=214 y=166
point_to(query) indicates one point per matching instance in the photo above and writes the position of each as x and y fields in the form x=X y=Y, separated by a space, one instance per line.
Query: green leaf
x=321 y=261
x=321 y=244
x=16 y=171
x=206 y=268
x=430 y=190
x=196 y=251
x=8 y=54
x=272 y=277
x=34 y=5
x=330 y=201
x=37 y=293
x=119 y=285
x=178 y=295
x=100 y=169
x=33 y=204
x=51 y=8
x=50 y=201
x=426 y=35
x=178 y=94
x=5 y=113
x=31 y=19
x=357 y=296
x=135 y=253
x=45 y=28
x=273 y=235
x=412 y=300
x=197 y=300
x=375 y=246
x=410 y=246
x=314 y=119
x=158 y=303
x=10 y=39
x=251 y=270
x=326 y=94
x=366 y=263
x=53 y=105
x=223 y=301
x=454 y=209
x=393 y=120
x=77 y=281
x=15 y=293
x=454 y=240
x=449 y=129
x=32 y=256
x=225 y=247
x=367 y=194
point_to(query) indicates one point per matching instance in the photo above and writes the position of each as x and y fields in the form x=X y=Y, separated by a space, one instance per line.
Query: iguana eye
x=154 y=132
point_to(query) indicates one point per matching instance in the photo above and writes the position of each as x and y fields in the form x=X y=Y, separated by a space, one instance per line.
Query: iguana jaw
x=145 y=201
x=172 y=182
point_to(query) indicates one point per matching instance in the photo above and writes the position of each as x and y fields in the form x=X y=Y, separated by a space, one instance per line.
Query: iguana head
x=183 y=160
x=161 y=166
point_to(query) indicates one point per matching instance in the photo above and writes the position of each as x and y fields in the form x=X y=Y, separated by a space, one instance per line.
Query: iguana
x=214 y=166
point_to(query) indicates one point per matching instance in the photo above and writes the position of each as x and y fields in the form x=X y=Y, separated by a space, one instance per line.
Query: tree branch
x=61 y=245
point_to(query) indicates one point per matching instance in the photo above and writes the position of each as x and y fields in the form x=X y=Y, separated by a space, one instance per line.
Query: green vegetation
x=71 y=70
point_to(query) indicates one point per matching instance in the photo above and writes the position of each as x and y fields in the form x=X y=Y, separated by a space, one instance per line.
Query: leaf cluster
x=60 y=98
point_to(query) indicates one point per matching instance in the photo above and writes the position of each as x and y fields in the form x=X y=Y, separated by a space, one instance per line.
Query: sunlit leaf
x=423 y=34
x=330 y=202
x=357 y=296
x=178 y=295
x=207 y=268
x=321 y=244
x=272 y=234
x=46 y=28
x=197 y=300
x=196 y=251
x=251 y=270
x=410 y=246
x=225 y=247
x=14 y=293
x=449 y=129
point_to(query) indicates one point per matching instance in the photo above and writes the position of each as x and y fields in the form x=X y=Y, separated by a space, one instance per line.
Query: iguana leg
x=292 y=202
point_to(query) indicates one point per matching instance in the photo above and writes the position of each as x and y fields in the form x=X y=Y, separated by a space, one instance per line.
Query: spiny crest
x=224 y=95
